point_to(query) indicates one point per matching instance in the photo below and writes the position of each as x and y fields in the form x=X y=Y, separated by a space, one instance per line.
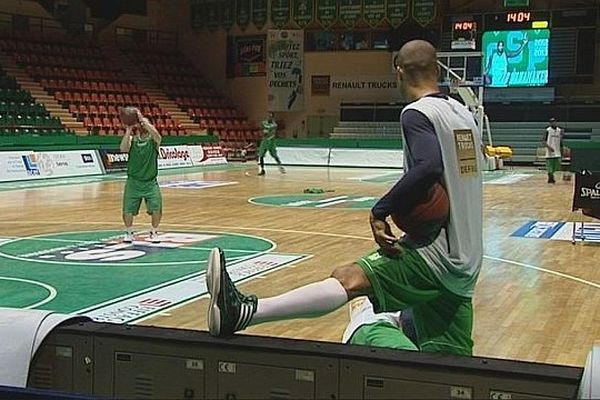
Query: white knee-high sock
x=308 y=301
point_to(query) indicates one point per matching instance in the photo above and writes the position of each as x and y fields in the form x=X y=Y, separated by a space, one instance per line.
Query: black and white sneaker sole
x=213 y=281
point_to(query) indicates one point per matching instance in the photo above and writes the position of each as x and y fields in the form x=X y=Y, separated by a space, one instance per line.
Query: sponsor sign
x=587 y=192
x=24 y=165
x=147 y=304
x=320 y=85
x=590 y=232
x=285 y=70
x=250 y=56
x=174 y=157
x=207 y=155
x=114 y=161
x=372 y=87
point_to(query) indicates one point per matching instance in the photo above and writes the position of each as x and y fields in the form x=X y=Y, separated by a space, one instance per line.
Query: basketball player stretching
x=435 y=280
x=142 y=169
x=269 y=128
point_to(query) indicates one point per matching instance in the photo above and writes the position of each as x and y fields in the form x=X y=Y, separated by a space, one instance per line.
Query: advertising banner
x=326 y=12
x=259 y=13
x=383 y=87
x=23 y=165
x=207 y=155
x=285 y=65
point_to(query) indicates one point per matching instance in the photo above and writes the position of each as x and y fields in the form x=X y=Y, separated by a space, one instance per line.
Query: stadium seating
x=84 y=81
x=20 y=114
x=174 y=74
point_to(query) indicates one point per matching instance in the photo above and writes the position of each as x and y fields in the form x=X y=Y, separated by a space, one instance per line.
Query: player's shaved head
x=418 y=61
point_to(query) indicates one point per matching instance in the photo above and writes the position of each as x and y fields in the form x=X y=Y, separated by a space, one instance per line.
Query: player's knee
x=353 y=279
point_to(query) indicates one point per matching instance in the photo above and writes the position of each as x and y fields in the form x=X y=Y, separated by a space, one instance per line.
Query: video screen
x=515 y=58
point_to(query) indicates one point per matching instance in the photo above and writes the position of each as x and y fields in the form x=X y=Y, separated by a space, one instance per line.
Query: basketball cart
x=586 y=198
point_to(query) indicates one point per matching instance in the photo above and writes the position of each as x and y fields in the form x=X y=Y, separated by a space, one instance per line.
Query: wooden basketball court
x=536 y=300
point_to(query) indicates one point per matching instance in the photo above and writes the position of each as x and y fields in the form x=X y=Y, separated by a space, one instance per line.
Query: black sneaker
x=261 y=173
x=229 y=310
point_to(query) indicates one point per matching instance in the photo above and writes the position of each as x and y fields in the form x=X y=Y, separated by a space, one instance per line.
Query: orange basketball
x=426 y=218
x=128 y=115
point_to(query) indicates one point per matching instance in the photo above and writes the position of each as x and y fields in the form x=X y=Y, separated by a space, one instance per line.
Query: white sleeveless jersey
x=457 y=253
x=553 y=140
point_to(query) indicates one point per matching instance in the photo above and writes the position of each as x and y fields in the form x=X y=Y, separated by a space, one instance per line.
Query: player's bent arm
x=126 y=141
x=427 y=169
x=152 y=130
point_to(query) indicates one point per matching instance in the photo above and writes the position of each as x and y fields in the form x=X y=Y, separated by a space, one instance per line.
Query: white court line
x=331 y=203
x=51 y=290
x=548 y=271
x=336 y=235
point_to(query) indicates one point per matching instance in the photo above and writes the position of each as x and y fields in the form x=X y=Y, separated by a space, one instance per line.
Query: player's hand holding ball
x=129 y=116
x=382 y=233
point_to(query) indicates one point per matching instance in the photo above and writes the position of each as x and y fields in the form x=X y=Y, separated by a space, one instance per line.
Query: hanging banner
x=197 y=13
x=303 y=12
x=424 y=11
x=326 y=12
x=250 y=56
x=280 y=12
x=350 y=12
x=212 y=15
x=285 y=70
x=243 y=13
x=227 y=14
x=374 y=12
x=259 y=13
x=397 y=12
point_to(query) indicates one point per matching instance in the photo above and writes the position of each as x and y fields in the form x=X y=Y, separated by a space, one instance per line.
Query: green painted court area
x=323 y=201
x=70 y=272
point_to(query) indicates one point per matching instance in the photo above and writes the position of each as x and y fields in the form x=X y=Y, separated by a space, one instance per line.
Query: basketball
x=128 y=115
x=426 y=218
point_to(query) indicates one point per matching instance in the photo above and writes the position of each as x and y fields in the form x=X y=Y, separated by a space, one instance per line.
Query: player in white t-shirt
x=553 y=144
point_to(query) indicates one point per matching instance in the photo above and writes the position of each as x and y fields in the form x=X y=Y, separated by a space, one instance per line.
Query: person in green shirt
x=142 y=169
x=269 y=128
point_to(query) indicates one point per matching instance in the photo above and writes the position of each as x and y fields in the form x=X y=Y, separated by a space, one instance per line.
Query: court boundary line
x=52 y=292
x=175 y=306
x=328 y=234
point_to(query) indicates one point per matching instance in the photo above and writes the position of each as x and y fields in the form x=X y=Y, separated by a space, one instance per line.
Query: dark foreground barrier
x=146 y=362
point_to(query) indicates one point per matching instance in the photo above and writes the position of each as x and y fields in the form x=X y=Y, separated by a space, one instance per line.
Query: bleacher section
x=85 y=81
x=174 y=74
x=523 y=137
x=20 y=114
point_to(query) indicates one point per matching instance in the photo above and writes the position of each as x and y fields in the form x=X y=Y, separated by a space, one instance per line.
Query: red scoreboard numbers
x=520 y=16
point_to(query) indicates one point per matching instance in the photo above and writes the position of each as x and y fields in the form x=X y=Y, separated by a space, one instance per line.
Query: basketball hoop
x=453 y=85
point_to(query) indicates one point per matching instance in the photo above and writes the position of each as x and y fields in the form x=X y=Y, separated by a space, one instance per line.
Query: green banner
x=326 y=12
x=227 y=17
x=303 y=12
x=374 y=12
x=212 y=14
x=243 y=13
x=397 y=12
x=259 y=13
x=280 y=12
x=350 y=12
x=424 y=11
x=197 y=13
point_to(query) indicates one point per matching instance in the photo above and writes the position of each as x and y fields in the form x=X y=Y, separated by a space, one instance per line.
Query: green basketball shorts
x=267 y=145
x=136 y=191
x=552 y=164
x=443 y=321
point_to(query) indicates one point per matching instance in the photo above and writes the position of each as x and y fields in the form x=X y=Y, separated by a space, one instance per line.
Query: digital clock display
x=465 y=25
x=518 y=16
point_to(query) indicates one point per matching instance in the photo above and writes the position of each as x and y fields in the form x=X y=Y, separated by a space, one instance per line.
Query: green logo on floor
x=105 y=248
x=95 y=274
x=317 y=201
